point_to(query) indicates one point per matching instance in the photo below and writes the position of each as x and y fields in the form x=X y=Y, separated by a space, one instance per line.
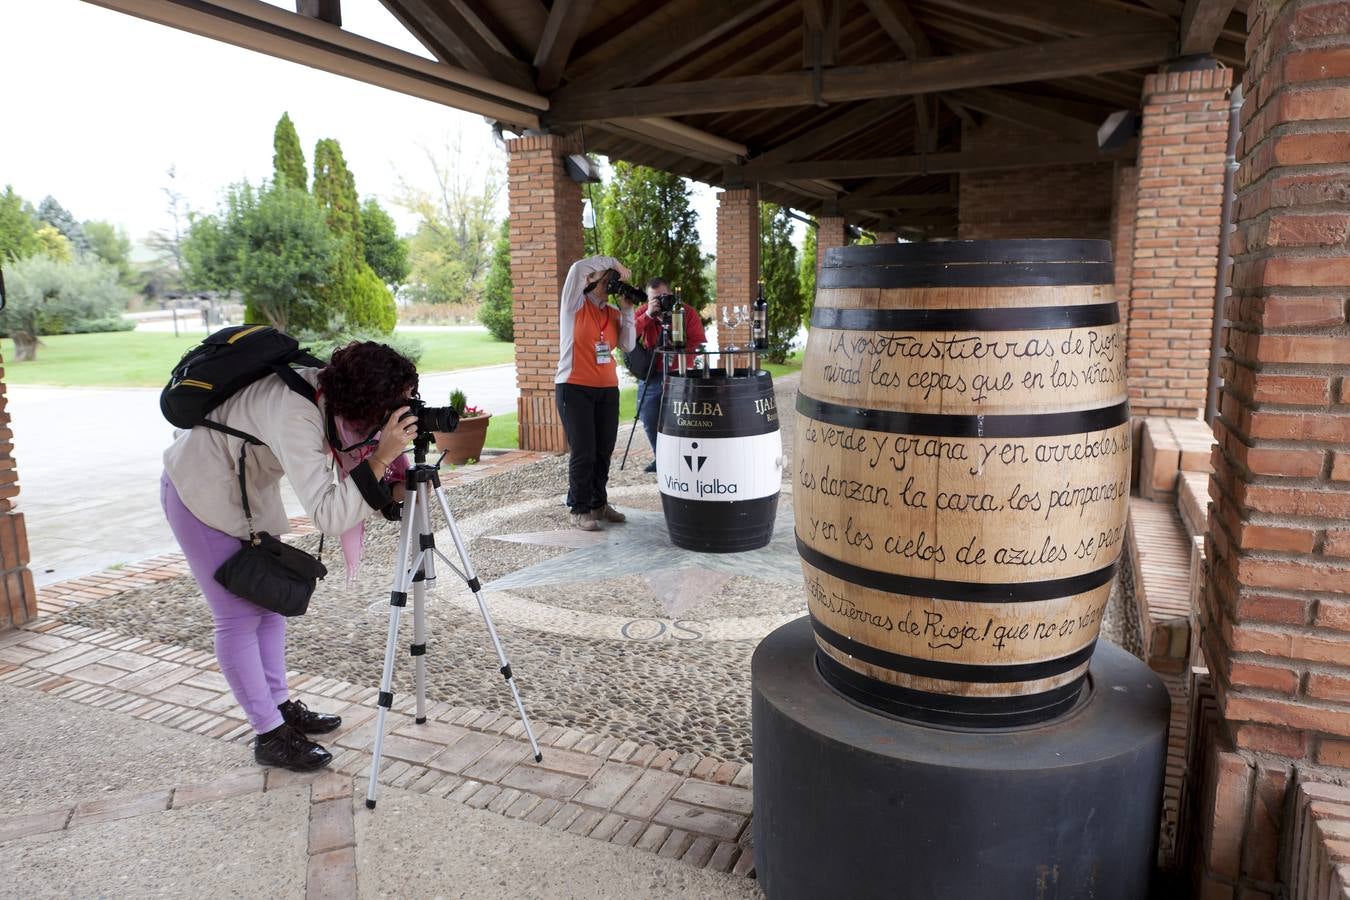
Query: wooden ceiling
x=848 y=106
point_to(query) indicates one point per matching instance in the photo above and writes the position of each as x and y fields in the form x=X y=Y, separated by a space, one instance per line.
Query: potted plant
x=465 y=443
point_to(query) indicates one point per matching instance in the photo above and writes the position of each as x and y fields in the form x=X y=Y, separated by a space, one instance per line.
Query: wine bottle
x=759 y=321
x=677 y=324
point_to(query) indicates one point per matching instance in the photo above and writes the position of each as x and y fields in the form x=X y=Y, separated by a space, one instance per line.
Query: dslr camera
x=616 y=285
x=432 y=418
x=666 y=303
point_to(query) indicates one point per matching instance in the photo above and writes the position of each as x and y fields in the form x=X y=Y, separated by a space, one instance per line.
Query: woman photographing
x=339 y=452
x=587 y=384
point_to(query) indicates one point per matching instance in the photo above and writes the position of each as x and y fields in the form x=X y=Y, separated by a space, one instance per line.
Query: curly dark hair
x=364 y=382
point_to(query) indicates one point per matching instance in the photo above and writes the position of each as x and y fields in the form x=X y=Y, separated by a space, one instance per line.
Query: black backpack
x=224 y=364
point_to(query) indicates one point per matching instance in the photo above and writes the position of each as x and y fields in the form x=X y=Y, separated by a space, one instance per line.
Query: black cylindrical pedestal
x=853 y=803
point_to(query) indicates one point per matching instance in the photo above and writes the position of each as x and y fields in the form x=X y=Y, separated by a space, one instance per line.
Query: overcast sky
x=97 y=105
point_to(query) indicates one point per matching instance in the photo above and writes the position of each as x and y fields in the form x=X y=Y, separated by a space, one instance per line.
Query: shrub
x=47 y=296
x=496 y=311
x=323 y=343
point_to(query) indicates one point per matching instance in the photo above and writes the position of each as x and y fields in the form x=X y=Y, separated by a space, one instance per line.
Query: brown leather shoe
x=587 y=521
x=609 y=514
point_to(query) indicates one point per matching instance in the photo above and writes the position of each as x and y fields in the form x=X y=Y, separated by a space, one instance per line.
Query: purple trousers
x=250 y=641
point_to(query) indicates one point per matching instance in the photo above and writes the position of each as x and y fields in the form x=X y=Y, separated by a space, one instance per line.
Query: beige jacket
x=203 y=464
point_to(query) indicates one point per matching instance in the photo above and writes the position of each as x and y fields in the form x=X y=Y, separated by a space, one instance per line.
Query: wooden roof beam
x=896 y=201
x=565 y=21
x=1202 y=22
x=1011 y=108
x=681 y=38
x=1079 y=17
x=930 y=163
x=898 y=22
x=452 y=38
x=1031 y=62
x=329 y=11
x=265 y=28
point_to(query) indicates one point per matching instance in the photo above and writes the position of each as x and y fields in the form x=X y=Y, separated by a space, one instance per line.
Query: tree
x=168 y=244
x=273 y=245
x=47 y=295
x=497 y=311
x=335 y=189
x=807 y=273
x=18 y=227
x=53 y=243
x=56 y=215
x=650 y=226
x=288 y=160
x=386 y=252
x=450 y=249
x=112 y=244
x=782 y=287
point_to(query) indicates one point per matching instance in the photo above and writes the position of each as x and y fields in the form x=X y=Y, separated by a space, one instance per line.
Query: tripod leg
x=472 y=580
x=426 y=573
x=398 y=598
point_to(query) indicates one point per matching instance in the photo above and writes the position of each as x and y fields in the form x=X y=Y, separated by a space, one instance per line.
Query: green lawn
x=144 y=359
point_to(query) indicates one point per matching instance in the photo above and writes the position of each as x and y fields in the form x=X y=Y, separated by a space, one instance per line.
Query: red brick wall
x=1050 y=202
x=1275 y=622
x=19 y=601
x=546 y=238
x=831 y=231
x=1176 y=240
x=737 y=258
x=1123 y=202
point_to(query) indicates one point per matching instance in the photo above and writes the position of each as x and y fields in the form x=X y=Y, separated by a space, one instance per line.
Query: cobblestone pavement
x=644 y=715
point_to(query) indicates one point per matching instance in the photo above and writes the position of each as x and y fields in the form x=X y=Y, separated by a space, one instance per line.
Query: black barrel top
x=1017 y=263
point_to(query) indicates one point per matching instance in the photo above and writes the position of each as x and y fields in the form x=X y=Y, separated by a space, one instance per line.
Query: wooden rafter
x=446 y=33
x=922 y=164
x=565 y=21
x=1034 y=62
x=1202 y=21
x=1077 y=17
x=329 y=11
x=661 y=47
x=896 y=201
x=1012 y=108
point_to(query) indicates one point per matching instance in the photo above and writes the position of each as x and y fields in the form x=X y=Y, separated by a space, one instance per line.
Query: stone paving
x=641 y=699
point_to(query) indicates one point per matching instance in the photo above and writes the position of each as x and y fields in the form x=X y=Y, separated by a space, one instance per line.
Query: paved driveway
x=89 y=466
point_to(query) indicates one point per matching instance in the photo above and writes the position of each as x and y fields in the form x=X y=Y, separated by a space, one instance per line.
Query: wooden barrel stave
x=918 y=493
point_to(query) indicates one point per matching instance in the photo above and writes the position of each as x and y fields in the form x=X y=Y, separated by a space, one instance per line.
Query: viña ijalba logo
x=700 y=488
x=695 y=463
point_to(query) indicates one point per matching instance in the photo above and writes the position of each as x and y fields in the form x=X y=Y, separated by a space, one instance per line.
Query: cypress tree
x=782 y=287
x=335 y=189
x=288 y=160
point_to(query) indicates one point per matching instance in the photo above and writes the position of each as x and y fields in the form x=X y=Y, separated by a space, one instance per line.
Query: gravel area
x=674 y=688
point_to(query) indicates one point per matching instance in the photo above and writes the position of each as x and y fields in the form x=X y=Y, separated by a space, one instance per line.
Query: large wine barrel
x=962 y=474
x=719 y=461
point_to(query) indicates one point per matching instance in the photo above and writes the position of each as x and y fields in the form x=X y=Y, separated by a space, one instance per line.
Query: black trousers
x=590 y=418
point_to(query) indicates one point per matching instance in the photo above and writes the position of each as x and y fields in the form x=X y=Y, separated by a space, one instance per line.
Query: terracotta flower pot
x=465 y=442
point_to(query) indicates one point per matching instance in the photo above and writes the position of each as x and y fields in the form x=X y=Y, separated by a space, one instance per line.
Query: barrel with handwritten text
x=961 y=474
x=719 y=461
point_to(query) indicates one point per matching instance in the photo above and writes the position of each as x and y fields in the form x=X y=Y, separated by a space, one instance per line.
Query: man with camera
x=587 y=381
x=651 y=322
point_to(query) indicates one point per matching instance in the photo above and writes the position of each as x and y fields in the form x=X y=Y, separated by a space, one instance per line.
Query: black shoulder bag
x=267 y=571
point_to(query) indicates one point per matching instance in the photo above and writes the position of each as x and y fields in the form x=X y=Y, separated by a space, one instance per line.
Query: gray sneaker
x=585 y=521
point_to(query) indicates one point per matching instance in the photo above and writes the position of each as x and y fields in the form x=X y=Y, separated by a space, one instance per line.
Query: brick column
x=886 y=237
x=1275 y=620
x=1123 y=200
x=546 y=238
x=737 y=258
x=831 y=231
x=19 y=602
x=1176 y=240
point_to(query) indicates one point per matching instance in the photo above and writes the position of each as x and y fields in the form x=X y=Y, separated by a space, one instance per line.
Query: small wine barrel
x=719 y=461
x=962 y=474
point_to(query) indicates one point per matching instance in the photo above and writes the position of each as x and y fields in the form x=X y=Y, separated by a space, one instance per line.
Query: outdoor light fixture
x=1119 y=129
x=580 y=169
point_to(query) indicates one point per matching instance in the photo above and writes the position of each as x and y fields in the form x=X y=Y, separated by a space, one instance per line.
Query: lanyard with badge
x=604 y=354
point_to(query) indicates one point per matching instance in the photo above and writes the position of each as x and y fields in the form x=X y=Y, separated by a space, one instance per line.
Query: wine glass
x=732 y=316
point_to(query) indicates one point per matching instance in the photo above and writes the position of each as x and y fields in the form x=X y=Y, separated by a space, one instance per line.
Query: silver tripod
x=417 y=566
